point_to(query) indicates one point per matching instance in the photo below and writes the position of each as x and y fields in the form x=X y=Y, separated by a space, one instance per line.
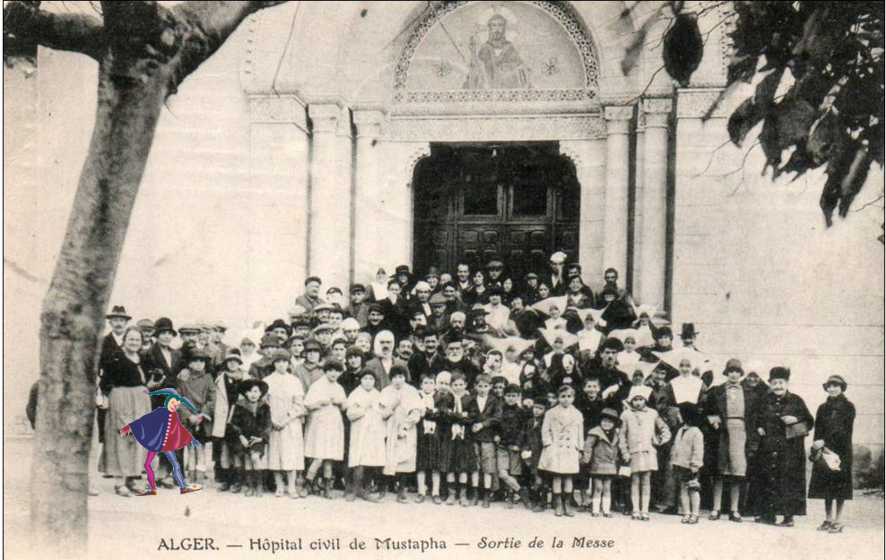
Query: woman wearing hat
x=782 y=421
x=125 y=385
x=833 y=433
x=731 y=410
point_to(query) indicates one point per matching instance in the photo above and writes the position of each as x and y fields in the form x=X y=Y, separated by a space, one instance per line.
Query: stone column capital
x=324 y=116
x=618 y=119
x=657 y=111
x=368 y=122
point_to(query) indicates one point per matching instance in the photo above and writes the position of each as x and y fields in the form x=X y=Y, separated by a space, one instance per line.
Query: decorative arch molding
x=418 y=154
x=562 y=12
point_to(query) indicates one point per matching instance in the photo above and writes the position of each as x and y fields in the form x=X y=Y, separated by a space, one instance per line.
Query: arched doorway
x=473 y=202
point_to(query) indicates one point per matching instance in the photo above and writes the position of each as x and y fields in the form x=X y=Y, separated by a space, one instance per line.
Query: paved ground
x=120 y=526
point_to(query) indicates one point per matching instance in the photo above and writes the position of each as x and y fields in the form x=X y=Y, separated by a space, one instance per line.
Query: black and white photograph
x=443 y=279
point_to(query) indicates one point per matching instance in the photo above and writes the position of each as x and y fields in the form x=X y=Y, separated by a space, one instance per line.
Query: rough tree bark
x=144 y=51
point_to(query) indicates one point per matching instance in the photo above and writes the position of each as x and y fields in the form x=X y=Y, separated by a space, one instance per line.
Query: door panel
x=476 y=204
x=479 y=243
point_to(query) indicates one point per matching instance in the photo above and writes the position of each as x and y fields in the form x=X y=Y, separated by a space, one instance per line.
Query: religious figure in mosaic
x=496 y=64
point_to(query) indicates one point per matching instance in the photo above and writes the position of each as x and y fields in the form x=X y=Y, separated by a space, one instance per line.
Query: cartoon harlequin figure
x=161 y=431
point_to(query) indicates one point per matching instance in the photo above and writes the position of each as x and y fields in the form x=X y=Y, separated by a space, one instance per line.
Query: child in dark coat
x=601 y=457
x=248 y=434
x=532 y=448
x=428 y=447
x=485 y=411
x=511 y=434
x=462 y=457
x=833 y=436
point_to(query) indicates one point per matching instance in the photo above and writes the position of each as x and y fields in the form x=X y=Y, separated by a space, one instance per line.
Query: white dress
x=406 y=407
x=367 y=444
x=326 y=431
x=286 y=447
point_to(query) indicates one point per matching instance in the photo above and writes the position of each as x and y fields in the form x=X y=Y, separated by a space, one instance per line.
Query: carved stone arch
x=563 y=13
x=418 y=154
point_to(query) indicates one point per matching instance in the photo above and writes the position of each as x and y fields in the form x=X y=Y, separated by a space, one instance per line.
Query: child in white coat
x=642 y=431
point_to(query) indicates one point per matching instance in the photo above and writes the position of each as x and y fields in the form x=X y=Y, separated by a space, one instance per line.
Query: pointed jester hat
x=169 y=394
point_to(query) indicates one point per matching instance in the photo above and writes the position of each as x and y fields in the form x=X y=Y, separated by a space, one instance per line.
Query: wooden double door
x=514 y=202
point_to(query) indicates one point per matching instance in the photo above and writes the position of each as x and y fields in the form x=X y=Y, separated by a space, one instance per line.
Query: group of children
x=585 y=415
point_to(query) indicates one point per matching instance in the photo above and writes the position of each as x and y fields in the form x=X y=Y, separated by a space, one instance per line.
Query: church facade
x=335 y=138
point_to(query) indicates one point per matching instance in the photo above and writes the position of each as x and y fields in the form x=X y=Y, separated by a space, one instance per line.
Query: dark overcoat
x=833 y=424
x=781 y=468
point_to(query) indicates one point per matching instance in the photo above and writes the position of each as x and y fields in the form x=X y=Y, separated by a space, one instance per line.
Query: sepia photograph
x=443 y=279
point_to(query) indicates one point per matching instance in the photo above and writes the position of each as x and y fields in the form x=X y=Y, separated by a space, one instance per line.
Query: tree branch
x=211 y=23
x=82 y=33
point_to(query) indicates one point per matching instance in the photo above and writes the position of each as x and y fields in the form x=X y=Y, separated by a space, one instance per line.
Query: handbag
x=825 y=458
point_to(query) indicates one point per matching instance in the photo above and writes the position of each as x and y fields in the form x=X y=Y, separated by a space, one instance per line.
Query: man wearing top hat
x=688 y=334
x=311 y=298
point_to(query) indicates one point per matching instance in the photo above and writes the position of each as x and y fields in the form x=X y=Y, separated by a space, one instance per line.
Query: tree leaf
x=742 y=120
x=683 y=49
x=854 y=179
x=742 y=68
x=825 y=138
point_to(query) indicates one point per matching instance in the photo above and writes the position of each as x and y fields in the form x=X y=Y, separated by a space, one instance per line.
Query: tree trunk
x=74 y=308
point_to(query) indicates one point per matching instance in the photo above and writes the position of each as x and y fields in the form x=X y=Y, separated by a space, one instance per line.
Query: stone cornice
x=694 y=103
x=278 y=109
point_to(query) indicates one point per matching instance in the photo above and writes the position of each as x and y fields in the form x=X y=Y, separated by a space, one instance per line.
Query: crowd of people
x=473 y=389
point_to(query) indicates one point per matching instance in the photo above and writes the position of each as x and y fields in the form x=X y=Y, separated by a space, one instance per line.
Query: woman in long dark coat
x=833 y=430
x=782 y=459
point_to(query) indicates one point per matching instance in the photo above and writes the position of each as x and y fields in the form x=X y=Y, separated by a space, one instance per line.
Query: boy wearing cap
x=197 y=385
x=226 y=396
x=509 y=442
x=263 y=366
x=358 y=307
